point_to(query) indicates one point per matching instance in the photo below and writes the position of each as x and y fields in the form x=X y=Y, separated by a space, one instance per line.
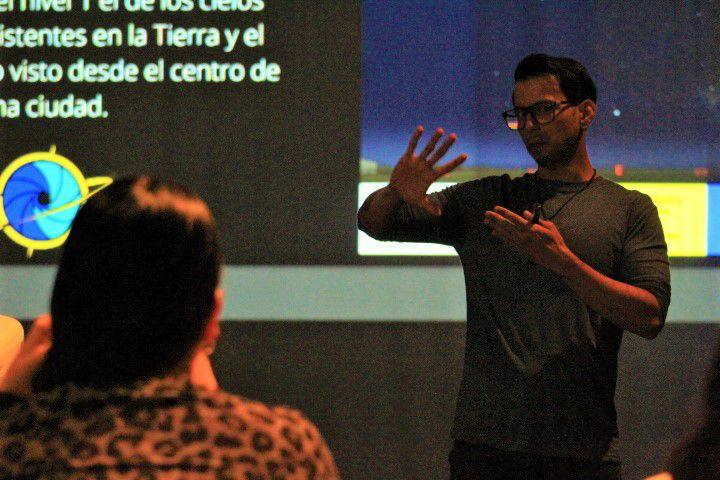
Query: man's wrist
x=571 y=267
x=393 y=193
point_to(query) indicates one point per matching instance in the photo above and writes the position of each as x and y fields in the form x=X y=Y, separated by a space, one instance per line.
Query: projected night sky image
x=451 y=66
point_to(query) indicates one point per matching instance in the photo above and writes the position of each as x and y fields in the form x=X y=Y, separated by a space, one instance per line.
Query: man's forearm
x=631 y=308
x=376 y=213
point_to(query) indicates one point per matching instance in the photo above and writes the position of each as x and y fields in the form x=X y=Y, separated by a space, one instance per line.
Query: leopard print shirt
x=162 y=429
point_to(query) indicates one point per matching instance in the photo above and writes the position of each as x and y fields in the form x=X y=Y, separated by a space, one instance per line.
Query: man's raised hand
x=413 y=174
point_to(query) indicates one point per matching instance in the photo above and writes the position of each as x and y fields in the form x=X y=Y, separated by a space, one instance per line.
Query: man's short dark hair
x=135 y=285
x=575 y=81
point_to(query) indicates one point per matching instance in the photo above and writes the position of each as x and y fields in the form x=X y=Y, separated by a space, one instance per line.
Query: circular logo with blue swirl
x=41 y=193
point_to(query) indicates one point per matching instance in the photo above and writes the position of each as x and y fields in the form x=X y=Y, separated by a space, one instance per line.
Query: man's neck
x=578 y=170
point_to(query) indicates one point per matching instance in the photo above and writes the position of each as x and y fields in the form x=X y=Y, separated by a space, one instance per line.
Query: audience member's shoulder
x=259 y=413
x=278 y=432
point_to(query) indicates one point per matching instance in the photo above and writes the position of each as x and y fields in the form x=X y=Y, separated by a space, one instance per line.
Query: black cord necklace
x=539 y=208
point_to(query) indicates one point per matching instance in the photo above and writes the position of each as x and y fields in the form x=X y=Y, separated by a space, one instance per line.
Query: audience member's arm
x=661 y=476
x=11 y=338
x=31 y=355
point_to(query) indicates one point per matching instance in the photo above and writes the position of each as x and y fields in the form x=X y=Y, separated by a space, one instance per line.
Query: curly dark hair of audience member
x=135 y=285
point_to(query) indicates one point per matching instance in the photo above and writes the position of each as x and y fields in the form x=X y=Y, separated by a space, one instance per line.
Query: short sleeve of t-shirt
x=644 y=258
x=414 y=224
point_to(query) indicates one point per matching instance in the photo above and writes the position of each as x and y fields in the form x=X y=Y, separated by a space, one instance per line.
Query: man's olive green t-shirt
x=540 y=365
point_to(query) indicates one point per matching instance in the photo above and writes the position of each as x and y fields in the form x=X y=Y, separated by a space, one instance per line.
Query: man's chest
x=594 y=231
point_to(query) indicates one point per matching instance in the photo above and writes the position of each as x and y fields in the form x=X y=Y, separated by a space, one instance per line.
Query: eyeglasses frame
x=528 y=111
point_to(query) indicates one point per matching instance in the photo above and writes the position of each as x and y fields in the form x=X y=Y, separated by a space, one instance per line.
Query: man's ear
x=212 y=329
x=587 y=109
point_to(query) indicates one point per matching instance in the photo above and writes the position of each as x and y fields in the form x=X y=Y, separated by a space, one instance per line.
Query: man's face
x=551 y=145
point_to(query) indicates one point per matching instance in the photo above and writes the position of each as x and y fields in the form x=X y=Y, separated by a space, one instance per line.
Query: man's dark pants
x=474 y=462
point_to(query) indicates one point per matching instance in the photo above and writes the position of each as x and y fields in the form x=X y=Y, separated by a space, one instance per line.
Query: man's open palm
x=413 y=174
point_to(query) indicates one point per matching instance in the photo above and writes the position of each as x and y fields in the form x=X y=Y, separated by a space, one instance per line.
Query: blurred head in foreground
x=136 y=289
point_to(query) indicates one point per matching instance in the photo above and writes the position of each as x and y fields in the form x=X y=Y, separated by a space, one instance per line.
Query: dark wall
x=383 y=394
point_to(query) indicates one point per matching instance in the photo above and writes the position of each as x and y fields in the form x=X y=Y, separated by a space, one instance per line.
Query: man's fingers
x=519 y=231
x=500 y=223
x=430 y=206
x=435 y=157
x=512 y=217
x=432 y=143
x=528 y=215
x=414 y=139
x=508 y=231
x=547 y=224
x=543 y=233
x=493 y=218
x=451 y=165
x=532 y=218
x=542 y=227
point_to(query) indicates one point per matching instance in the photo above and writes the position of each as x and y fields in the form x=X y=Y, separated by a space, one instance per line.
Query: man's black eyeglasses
x=542 y=113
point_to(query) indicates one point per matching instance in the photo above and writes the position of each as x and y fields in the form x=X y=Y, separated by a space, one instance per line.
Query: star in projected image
x=40 y=195
x=711 y=95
